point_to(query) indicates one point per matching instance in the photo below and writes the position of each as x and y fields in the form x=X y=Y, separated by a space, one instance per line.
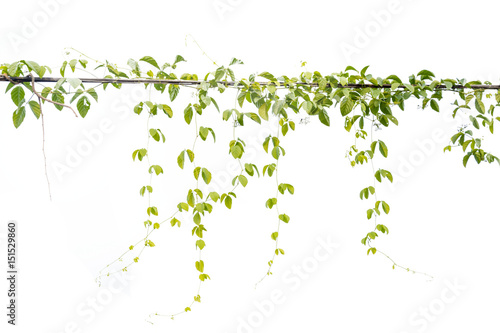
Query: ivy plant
x=364 y=102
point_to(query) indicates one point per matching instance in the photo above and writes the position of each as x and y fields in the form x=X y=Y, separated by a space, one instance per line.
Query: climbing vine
x=365 y=103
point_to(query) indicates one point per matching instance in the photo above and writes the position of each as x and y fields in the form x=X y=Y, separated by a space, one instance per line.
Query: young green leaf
x=150 y=61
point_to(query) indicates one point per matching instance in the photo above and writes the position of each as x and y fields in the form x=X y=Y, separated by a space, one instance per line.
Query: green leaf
x=150 y=61
x=83 y=106
x=76 y=95
x=178 y=59
x=188 y=114
x=173 y=91
x=480 y=106
x=274 y=235
x=214 y=196
x=196 y=172
x=263 y=109
x=156 y=168
x=236 y=151
x=268 y=76
x=253 y=116
x=175 y=221
x=425 y=73
x=285 y=218
x=152 y=210
x=323 y=117
x=190 y=198
x=385 y=207
x=190 y=155
x=271 y=202
x=228 y=201
x=382 y=228
x=180 y=159
x=154 y=134
x=63 y=68
x=183 y=206
x=385 y=108
x=92 y=93
x=197 y=218
x=219 y=73
x=243 y=180
x=17 y=95
x=166 y=109
x=434 y=105
x=466 y=159
x=206 y=175
x=235 y=61
x=393 y=119
x=72 y=64
x=35 y=108
x=203 y=133
x=383 y=148
x=203 y=277
x=275 y=152
x=138 y=108
x=200 y=243
x=346 y=106
x=474 y=122
x=307 y=106
x=18 y=116
x=387 y=175
x=200 y=266
x=33 y=66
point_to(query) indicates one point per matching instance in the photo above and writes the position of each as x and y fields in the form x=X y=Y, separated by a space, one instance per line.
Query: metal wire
x=232 y=83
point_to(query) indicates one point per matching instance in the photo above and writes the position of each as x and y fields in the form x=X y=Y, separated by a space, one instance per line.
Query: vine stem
x=149 y=168
x=373 y=170
x=46 y=99
x=43 y=135
x=204 y=53
x=279 y=221
x=120 y=258
x=172 y=316
x=405 y=268
x=375 y=215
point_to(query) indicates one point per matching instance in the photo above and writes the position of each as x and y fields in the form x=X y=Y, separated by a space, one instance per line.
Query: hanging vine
x=365 y=102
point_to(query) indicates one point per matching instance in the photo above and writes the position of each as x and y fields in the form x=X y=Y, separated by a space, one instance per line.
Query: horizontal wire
x=234 y=83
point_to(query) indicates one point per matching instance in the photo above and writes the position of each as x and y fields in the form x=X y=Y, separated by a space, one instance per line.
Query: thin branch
x=33 y=80
x=9 y=79
x=204 y=53
x=405 y=268
x=43 y=137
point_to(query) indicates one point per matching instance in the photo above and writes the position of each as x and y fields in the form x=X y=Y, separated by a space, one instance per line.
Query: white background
x=443 y=220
